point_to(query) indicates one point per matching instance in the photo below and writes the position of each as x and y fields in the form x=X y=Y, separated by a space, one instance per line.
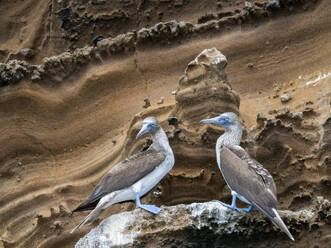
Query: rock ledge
x=137 y=228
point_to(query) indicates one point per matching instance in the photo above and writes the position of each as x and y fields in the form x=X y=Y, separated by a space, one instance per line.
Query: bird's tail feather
x=276 y=220
x=104 y=202
x=279 y=222
x=90 y=218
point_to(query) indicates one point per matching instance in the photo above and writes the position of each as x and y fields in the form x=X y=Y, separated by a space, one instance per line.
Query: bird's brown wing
x=123 y=175
x=248 y=178
x=256 y=167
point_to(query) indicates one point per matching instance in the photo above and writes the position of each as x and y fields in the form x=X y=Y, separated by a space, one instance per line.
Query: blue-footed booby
x=246 y=178
x=133 y=177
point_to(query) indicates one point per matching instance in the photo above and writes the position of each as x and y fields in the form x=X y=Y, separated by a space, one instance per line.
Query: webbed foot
x=247 y=210
x=150 y=208
x=228 y=206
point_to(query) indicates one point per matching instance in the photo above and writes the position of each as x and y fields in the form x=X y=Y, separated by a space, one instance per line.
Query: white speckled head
x=232 y=118
x=226 y=120
x=149 y=125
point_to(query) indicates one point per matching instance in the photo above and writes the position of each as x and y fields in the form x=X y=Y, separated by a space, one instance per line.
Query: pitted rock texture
x=49 y=28
x=206 y=224
x=75 y=21
x=204 y=89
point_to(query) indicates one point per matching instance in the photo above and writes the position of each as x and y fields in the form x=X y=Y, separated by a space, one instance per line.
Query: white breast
x=149 y=181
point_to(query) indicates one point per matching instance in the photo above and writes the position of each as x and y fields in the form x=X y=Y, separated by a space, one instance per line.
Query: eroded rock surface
x=62 y=109
x=204 y=89
x=282 y=142
x=199 y=224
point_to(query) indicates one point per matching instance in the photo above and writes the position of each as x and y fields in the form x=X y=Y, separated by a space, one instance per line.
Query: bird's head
x=226 y=120
x=149 y=125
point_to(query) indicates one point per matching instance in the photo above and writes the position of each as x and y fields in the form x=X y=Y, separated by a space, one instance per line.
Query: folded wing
x=123 y=175
x=248 y=178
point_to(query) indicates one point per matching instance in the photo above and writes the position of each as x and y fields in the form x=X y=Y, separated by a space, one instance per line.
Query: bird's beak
x=142 y=131
x=214 y=121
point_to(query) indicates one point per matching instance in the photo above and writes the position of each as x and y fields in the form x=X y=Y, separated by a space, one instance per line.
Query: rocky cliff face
x=70 y=108
x=202 y=89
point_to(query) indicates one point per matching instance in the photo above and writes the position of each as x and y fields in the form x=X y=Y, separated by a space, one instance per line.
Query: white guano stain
x=319 y=78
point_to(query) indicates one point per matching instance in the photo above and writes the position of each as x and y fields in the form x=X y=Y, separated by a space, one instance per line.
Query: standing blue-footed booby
x=133 y=177
x=246 y=178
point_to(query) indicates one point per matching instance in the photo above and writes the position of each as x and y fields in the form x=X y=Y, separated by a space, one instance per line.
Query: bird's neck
x=160 y=141
x=231 y=137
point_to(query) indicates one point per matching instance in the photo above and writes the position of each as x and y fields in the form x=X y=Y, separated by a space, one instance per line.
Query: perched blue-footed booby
x=246 y=178
x=133 y=177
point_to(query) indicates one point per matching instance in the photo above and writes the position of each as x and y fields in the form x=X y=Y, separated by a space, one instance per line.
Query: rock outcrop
x=199 y=225
x=73 y=79
x=59 y=67
x=204 y=90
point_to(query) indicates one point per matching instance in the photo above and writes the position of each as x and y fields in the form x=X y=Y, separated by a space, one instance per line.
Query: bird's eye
x=224 y=120
x=151 y=126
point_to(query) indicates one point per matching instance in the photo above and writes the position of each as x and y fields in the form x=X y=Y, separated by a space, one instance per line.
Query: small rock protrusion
x=113 y=140
x=98 y=2
x=64 y=14
x=27 y=53
x=97 y=39
x=36 y=76
x=158 y=192
x=161 y=101
x=248 y=4
x=273 y=5
x=177 y=131
x=260 y=120
x=147 y=103
x=173 y=121
x=276 y=91
x=325 y=180
x=285 y=97
x=57 y=224
x=174 y=92
x=250 y=65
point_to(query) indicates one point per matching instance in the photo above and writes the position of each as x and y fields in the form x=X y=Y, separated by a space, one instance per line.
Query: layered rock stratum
x=69 y=109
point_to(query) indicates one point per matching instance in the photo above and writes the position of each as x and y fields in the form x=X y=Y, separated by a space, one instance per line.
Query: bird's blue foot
x=233 y=205
x=247 y=209
x=150 y=208
x=228 y=206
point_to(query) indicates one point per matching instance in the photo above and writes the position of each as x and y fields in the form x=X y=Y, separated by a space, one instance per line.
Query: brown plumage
x=123 y=175
x=246 y=177
x=249 y=179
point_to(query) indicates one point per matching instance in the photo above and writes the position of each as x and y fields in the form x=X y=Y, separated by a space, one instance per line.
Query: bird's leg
x=150 y=208
x=233 y=204
x=247 y=209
